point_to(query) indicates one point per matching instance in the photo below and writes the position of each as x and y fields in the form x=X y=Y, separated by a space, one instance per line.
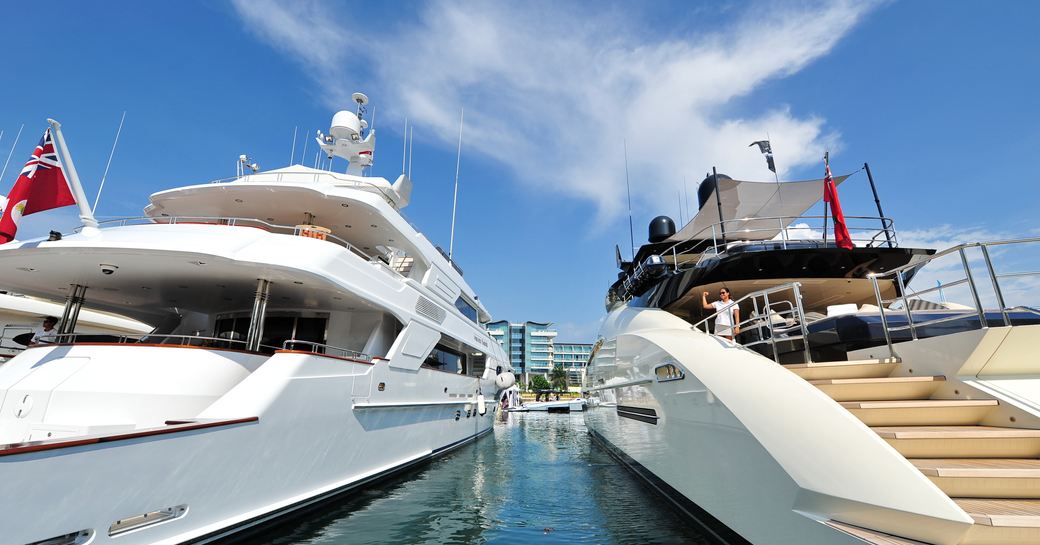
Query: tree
x=559 y=377
x=538 y=382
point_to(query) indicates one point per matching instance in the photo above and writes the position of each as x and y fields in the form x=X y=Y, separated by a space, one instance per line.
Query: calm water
x=538 y=480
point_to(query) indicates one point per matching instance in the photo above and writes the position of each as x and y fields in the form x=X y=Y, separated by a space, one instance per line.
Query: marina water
x=540 y=479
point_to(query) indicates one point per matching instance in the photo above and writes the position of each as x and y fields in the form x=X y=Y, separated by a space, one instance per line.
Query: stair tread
x=954 y=432
x=979 y=467
x=883 y=380
x=998 y=512
x=871 y=536
x=919 y=403
x=818 y=364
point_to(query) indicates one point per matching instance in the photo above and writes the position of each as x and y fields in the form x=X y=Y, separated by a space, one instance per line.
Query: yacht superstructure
x=851 y=406
x=307 y=341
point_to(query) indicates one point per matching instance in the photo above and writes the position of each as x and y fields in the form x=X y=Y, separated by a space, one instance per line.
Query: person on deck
x=728 y=314
x=45 y=334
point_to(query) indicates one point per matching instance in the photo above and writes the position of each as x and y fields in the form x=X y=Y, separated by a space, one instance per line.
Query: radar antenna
x=348 y=137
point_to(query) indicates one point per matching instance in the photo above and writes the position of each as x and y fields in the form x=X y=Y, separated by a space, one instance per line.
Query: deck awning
x=744 y=204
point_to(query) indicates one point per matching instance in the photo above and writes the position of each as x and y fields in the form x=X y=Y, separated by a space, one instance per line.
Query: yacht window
x=445 y=359
x=466 y=308
x=277 y=330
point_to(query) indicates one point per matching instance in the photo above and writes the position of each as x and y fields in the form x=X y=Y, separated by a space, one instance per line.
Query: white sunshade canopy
x=746 y=204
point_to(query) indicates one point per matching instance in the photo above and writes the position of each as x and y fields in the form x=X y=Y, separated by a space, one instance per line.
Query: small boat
x=558 y=406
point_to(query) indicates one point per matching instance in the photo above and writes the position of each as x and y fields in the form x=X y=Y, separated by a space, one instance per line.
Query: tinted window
x=466 y=309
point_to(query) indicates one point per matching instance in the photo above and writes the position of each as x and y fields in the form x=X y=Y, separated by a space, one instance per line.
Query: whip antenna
x=631 y=230
x=455 y=199
x=16 y=137
x=109 y=163
x=292 y=154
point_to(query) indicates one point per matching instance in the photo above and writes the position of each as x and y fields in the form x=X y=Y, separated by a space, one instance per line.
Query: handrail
x=185 y=340
x=319 y=348
x=231 y=222
x=279 y=178
x=795 y=309
x=906 y=295
x=783 y=228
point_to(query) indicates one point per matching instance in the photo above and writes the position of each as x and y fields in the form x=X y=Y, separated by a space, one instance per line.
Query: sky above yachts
x=938 y=97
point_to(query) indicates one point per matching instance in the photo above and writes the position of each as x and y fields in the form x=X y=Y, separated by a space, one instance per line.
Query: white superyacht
x=307 y=341
x=853 y=406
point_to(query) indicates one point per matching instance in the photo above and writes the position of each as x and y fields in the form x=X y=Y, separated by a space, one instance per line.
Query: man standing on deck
x=46 y=334
x=728 y=314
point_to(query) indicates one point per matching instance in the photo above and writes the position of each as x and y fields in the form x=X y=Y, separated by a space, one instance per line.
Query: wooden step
x=921 y=412
x=871 y=536
x=879 y=389
x=983 y=478
x=1002 y=522
x=962 y=441
x=844 y=369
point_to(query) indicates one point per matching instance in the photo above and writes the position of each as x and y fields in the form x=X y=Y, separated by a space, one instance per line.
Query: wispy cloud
x=554 y=93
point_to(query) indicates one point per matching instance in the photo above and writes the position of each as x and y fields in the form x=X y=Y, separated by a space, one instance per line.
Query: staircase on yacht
x=306 y=341
x=890 y=419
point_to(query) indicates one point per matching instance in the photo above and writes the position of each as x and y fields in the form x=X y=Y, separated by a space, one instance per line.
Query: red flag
x=830 y=195
x=41 y=186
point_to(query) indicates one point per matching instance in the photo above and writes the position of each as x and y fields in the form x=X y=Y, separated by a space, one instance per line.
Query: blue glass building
x=533 y=350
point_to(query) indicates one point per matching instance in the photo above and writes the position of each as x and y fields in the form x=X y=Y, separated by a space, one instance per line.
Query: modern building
x=533 y=350
x=529 y=345
x=573 y=357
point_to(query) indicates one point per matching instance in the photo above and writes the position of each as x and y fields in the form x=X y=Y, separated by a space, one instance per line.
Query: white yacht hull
x=753 y=452
x=322 y=427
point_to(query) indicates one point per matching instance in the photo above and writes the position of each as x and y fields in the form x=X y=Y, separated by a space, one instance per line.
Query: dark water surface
x=539 y=479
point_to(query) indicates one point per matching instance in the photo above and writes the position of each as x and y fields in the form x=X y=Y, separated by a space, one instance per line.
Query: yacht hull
x=299 y=430
x=751 y=451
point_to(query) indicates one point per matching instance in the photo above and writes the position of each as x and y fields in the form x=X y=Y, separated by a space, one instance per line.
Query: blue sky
x=940 y=98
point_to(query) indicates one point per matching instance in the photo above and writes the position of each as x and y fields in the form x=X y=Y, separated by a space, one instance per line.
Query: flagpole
x=827 y=163
x=85 y=215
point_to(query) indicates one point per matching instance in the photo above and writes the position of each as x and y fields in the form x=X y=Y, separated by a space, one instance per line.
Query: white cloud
x=553 y=93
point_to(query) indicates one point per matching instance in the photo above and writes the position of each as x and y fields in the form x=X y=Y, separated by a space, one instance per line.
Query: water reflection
x=539 y=479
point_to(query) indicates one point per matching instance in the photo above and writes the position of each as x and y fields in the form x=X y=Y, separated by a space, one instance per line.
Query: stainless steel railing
x=319 y=348
x=978 y=308
x=766 y=311
x=207 y=342
x=784 y=230
x=153 y=338
x=297 y=177
x=235 y=222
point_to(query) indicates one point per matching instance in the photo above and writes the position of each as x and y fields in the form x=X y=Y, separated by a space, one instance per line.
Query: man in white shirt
x=47 y=333
x=728 y=314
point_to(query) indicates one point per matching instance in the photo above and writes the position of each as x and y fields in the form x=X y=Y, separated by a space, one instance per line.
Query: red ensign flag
x=830 y=196
x=41 y=186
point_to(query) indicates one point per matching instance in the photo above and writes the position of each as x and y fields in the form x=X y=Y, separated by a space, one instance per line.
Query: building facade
x=533 y=350
x=573 y=357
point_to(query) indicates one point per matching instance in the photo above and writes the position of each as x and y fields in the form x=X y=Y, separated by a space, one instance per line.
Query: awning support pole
x=877 y=201
x=718 y=202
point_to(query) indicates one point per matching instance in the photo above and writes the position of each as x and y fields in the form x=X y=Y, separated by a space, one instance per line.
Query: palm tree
x=558 y=377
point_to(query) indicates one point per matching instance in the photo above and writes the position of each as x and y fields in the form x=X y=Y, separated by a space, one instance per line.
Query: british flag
x=40 y=186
